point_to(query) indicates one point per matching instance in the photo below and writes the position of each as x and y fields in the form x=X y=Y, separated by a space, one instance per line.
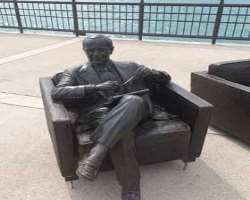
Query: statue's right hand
x=108 y=85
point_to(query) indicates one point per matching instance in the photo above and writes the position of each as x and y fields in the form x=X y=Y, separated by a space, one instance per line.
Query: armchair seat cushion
x=159 y=139
x=152 y=131
x=157 y=129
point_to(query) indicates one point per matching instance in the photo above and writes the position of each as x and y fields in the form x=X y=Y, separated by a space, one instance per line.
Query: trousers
x=116 y=133
x=121 y=120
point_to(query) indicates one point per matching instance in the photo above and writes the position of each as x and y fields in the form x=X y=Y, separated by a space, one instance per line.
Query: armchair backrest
x=235 y=71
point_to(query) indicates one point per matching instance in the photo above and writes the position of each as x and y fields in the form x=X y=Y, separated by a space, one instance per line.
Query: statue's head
x=98 y=49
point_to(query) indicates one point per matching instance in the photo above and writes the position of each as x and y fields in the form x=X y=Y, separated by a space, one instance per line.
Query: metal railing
x=183 y=20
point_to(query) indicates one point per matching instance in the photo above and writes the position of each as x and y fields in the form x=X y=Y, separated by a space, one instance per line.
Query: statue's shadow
x=162 y=181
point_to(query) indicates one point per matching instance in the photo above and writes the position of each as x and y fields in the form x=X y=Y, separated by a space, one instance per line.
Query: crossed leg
x=115 y=134
x=126 y=167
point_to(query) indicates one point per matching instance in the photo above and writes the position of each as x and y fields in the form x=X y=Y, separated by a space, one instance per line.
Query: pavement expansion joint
x=21 y=100
x=9 y=104
x=37 y=51
x=13 y=93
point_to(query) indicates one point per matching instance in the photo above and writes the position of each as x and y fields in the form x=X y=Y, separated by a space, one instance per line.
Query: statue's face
x=97 y=52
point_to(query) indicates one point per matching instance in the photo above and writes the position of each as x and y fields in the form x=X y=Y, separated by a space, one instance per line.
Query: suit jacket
x=73 y=84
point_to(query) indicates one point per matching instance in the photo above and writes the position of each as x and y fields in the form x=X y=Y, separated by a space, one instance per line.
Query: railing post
x=19 y=22
x=141 y=19
x=218 y=21
x=74 y=10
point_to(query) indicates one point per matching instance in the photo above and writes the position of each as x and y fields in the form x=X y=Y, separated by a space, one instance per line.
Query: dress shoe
x=89 y=166
x=131 y=195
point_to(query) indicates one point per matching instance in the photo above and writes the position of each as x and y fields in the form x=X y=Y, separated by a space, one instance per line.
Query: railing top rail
x=109 y=3
x=236 y=5
x=6 y=1
x=130 y=3
x=183 y=4
x=70 y=2
x=159 y=4
x=198 y=4
x=47 y=2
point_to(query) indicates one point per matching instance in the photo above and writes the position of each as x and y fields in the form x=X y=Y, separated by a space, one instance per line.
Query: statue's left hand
x=157 y=79
x=158 y=76
x=142 y=72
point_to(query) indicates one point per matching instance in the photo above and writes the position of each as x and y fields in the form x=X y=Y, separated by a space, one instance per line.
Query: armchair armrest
x=191 y=109
x=219 y=81
x=231 y=62
x=60 y=128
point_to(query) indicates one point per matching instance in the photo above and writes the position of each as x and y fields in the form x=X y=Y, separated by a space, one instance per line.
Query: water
x=234 y=28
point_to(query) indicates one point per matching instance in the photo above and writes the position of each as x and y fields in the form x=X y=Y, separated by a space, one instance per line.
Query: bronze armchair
x=227 y=86
x=179 y=137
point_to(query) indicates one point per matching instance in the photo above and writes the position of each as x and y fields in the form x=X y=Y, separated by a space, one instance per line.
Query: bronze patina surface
x=111 y=99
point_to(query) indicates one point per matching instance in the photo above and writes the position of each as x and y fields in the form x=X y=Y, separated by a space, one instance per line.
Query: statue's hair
x=104 y=40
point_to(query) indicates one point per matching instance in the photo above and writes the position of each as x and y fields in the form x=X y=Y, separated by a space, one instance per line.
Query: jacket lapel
x=120 y=69
x=88 y=74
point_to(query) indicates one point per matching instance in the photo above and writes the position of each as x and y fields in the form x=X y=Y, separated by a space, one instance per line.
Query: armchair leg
x=71 y=183
x=185 y=166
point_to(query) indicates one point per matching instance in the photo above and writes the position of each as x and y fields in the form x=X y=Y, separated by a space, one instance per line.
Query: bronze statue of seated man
x=111 y=98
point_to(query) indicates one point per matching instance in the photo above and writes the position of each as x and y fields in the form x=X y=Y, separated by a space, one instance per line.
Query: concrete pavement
x=28 y=167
